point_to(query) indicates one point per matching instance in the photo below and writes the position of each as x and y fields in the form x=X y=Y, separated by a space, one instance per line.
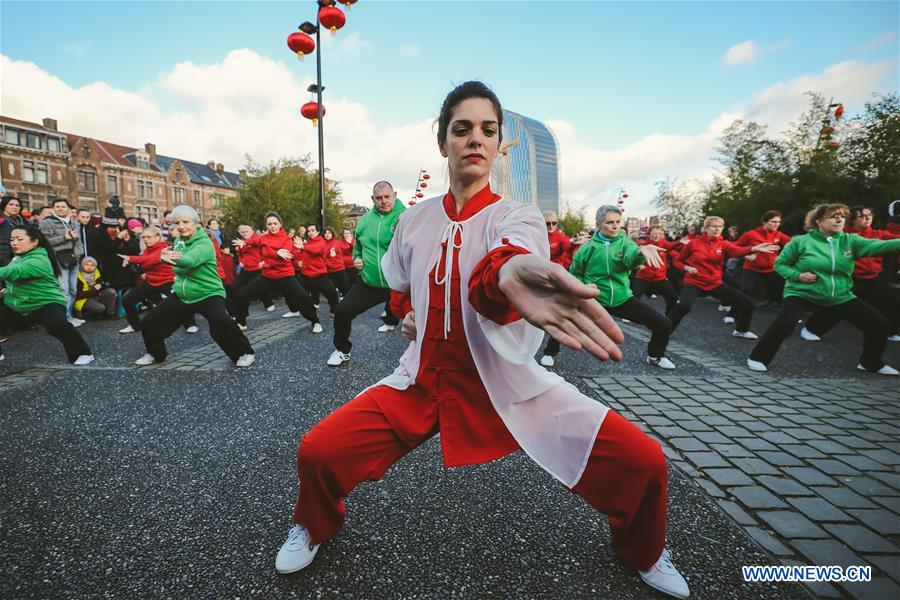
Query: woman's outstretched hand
x=547 y=296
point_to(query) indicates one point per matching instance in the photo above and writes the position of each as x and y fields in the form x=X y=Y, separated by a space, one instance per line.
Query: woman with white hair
x=197 y=289
x=606 y=262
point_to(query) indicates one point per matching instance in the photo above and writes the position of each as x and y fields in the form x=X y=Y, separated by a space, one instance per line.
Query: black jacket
x=7 y=224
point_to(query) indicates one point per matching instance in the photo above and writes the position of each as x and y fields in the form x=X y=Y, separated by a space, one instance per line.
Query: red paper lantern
x=624 y=195
x=301 y=43
x=827 y=130
x=332 y=18
x=621 y=202
x=423 y=184
x=834 y=145
x=426 y=176
x=347 y=3
x=420 y=195
x=839 y=111
x=411 y=202
x=310 y=110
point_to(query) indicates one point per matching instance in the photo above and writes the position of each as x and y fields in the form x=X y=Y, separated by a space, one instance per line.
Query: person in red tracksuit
x=763 y=266
x=347 y=244
x=653 y=280
x=868 y=283
x=334 y=260
x=314 y=272
x=561 y=249
x=702 y=261
x=479 y=286
x=277 y=253
x=249 y=257
x=157 y=278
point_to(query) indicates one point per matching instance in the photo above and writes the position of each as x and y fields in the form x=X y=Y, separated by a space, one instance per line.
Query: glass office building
x=527 y=169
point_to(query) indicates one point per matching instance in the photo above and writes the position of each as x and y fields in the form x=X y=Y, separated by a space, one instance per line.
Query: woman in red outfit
x=561 y=249
x=702 y=261
x=277 y=253
x=476 y=274
x=314 y=270
x=653 y=280
x=347 y=244
x=762 y=267
x=156 y=280
x=868 y=283
x=334 y=260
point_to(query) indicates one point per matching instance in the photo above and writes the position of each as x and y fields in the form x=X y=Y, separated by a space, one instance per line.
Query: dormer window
x=142 y=159
x=86 y=151
x=53 y=144
x=178 y=176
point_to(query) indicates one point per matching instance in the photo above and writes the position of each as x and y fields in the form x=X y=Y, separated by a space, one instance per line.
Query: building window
x=179 y=195
x=53 y=144
x=218 y=200
x=177 y=176
x=86 y=150
x=24 y=200
x=42 y=175
x=33 y=140
x=196 y=197
x=11 y=136
x=88 y=204
x=87 y=181
x=144 y=189
x=148 y=212
x=112 y=184
x=28 y=171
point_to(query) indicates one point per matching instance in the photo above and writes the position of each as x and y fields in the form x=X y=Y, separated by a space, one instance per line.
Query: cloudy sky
x=636 y=92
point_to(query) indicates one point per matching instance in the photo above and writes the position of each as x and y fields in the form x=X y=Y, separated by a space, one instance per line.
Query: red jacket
x=314 y=257
x=220 y=258
x=334 y=257
x=560 y=248
x=653 y=273
x=707 y=255
x=869 y=267
x=347 y=253
x=157 y=272
x=764 y=263
x=275 y=267
x=249 y=255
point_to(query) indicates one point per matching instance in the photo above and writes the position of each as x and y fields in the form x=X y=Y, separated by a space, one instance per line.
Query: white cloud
x=744 y=52
x=347 y=46
x=887 y=38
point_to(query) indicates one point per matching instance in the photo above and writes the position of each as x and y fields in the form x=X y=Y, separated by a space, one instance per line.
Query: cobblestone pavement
x=809 y=467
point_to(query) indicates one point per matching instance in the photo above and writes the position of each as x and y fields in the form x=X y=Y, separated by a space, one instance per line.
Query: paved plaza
x=178 y=479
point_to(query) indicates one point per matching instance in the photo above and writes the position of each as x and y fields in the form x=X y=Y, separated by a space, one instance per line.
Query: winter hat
x=134 y=223
x=110 y=221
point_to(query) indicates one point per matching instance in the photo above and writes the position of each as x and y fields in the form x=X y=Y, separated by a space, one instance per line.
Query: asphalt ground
x=180 y=483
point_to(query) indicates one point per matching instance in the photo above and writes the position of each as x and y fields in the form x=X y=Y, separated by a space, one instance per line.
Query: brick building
x=38 y=162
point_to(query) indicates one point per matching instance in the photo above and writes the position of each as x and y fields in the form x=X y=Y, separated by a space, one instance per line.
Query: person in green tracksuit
x=606 y=262
x=197 y=289
x=32 y=293
x=373 y=236
x=818 y=272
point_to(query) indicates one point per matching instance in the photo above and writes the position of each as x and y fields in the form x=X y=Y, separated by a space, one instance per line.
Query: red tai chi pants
x=625 y=477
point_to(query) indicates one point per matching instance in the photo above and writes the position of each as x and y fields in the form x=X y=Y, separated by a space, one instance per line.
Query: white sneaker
x=386 y=328
x=894 y=338
x=84 y=359
x=884 y=370
x=145 y=360
x=289 y=314
x=383 y=314
x=128 y=329
x=245 y=360
x=809 y=336
x=296 y=552
x=723 y=308
x=337 y=358
x=547 y=361
x=242 y=327
x=192 y=329
x=270 y=308
x=755 y=365
x=747 y=335
x=76 y=322
x=2 y=357
x=316 y=305
x=317 y=328
x=662 y=362
x=626 y=321
x=728 y=320
x=663 y=576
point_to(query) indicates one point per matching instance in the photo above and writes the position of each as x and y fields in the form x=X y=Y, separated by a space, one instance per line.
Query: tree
x=678 y=205
x=287 y=186
x=572 y=220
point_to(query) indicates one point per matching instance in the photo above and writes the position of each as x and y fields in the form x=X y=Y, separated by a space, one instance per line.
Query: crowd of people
x=475 y=282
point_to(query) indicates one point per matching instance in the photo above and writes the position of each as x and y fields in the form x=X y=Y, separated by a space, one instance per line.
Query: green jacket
x=196 y=275
x=373 y=235
x=831 y=259
x=30 y=282
x=607 y=264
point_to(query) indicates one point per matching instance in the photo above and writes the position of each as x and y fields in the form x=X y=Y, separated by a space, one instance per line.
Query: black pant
x=320 y=285
x=741 y=304
x=875 y=292
x=242 y=279
x=290 y=288
x=53 y=318
x=360 y=298
x=169 y=315
x=351 y=275
x=143 y=292
x=865 y=318
x=663 y=288
x=340 y=281
x=637 y=312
